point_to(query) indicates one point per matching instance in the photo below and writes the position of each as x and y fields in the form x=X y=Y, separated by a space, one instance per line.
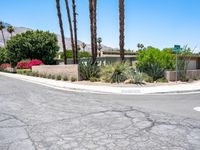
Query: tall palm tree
x=10 y=29
x=1 y=29
x=93 y=28
x=61 y=30
x=71 y=30
x=83 y=45
x=75 y=31
x=121 y=23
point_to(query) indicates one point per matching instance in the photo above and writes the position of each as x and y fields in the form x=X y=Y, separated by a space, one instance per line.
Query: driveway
x=35 y=117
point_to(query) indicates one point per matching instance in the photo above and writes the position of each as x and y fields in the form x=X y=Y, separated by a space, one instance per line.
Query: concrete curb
x=181 y=88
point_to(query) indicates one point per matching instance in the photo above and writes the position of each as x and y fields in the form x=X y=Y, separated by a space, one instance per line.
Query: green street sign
x=177 y=48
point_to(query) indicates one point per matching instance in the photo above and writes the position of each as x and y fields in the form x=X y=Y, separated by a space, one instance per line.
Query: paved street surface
x=35 y=117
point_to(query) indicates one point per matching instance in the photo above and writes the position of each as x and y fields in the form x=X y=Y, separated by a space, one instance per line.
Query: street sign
x=177 y=48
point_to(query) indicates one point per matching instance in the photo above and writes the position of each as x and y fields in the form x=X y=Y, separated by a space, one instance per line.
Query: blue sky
x=160 y=23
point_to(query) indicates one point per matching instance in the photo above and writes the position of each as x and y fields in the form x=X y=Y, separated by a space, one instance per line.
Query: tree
x=140 y=46
x=1 y=28
x=10 y=30
x=83 y=45
x=33 y=45
x=3 y=56
x=99 y=41
x=61 y=30
x=93 y=28
x=75 y=32
x=121 y=23
x=71 y=30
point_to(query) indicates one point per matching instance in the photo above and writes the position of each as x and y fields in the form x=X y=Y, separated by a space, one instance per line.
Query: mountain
x=19 y=30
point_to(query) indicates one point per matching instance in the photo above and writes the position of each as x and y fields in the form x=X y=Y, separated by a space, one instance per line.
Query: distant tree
x=33 y=45
x=140 y=46
x=121 y=24
x=75 y=31
x=83 y=45
x=1 y=29
x=10 y=30
x=99 y=41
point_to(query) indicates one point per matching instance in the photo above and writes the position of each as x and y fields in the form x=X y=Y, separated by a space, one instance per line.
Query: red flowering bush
x=35 y=63
x=23 y=65
x=29 y=64
x=4 y=66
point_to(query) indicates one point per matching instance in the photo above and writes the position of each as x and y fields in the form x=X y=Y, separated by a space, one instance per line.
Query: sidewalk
x=179 y=88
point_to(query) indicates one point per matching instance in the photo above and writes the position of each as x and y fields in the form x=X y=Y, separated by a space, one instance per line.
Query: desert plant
x=89 y=70
x=58 y=77
x=73 y=79
x=49 y=76
x=162 y=80
x=93 y=79
x=64 y=78
x=154 y=62
x=53 y=77
x=114 y=73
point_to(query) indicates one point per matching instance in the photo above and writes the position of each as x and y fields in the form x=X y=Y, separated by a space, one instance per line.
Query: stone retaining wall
x=191 y=74
x=68 y=70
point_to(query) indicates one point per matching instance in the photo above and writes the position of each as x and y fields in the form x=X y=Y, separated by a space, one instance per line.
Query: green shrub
x=162 y=80
x=154 y=62
x=64 y=78
x=49 y=76
x=44 y=75
x=73 y=79
x=89 y=70
x=93 y=79
x=135 y=76
x=58 y=77
x=33 y=45
x=147 y=78
x=53 y=77
x=114 y=73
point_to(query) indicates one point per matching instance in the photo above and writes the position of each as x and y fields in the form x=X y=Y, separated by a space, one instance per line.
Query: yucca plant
x=89 y=70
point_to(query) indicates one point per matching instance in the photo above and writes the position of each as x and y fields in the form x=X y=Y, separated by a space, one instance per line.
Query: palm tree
x=10 y=29
x=71 y=30
x=99 y=41
x=121 y=23
x=83 y=45
x=75 y=31
x=1 y=28
x=61 y=30
x=93 y=28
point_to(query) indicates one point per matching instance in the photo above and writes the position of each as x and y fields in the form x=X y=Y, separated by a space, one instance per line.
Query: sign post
x=177 y=48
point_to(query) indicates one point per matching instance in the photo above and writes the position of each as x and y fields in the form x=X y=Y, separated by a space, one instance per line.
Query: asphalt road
x=35 y=117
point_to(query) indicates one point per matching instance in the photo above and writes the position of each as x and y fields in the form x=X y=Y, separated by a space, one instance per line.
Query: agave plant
x=89 y=70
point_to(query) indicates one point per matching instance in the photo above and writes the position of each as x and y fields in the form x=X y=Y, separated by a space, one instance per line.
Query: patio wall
x=68 y=70
x=191 y=74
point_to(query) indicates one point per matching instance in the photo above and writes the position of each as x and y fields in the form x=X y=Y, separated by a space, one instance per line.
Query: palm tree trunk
x=121 y=37
x=71 y=30
x=4 y=41
x=93 y=29
x=61 y=30
x=75 y=31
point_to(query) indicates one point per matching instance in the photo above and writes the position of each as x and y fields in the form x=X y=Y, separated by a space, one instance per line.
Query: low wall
x=191 y=74
x=68 y=70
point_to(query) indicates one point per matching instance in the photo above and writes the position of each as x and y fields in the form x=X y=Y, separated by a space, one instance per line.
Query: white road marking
x=197 y=109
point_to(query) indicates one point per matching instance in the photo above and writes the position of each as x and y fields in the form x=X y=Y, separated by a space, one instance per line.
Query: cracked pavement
x=34 y=117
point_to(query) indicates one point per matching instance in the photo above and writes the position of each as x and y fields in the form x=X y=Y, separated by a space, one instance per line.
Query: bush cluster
x=28 y=64
x=154 y=62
